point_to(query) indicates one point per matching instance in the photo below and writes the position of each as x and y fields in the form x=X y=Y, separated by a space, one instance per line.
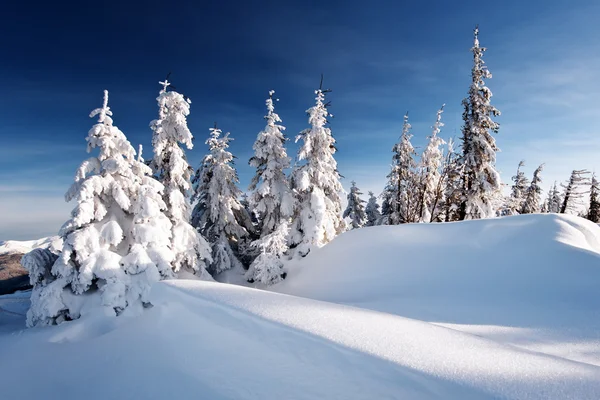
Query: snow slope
x=476 y=310
x=25 y=246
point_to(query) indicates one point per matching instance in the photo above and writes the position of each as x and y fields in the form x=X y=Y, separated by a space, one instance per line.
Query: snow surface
x=25 y=246
x=504 y=308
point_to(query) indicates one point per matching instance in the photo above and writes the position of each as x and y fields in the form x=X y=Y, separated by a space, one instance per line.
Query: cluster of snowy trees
x=137 y=222
x=442 y=185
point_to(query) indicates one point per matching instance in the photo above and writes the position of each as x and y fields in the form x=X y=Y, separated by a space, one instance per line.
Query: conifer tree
x=573 y=194
x=372 y=211
x=532 y=196
x=518 y=189
x=355 y=209
x=271 y=195
x=481 y=181
x=271 y=198
x=116 y=243
x=554 y=200
x=173 y=171
x=400 y=194
x=594 y=208
x=452 y=188
x=430 y=174
x=318 y=213
x=217 y=212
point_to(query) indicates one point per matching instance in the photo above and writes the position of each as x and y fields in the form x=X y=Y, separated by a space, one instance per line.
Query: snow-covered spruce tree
x=400 y=191
x=116 y=243
x=430 y=174
x=481 y=181
x=518 y=189
x=218 y=214
x=372 y=211
x=271 y=197
x=532 y=196
x=272 y=200
x=554 y=200
x=573 y=193
x=173 y=171
x=267 y=266
x=594 y=208
x=355 y=209
x=317 y=216
x=452 y=187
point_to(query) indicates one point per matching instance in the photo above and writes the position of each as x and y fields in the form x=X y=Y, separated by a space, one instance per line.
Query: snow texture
x=431 y=325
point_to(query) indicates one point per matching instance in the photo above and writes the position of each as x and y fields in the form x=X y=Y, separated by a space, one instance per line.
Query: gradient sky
x=380 y=58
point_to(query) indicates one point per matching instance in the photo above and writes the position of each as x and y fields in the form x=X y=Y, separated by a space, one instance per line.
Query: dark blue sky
x=381 y=58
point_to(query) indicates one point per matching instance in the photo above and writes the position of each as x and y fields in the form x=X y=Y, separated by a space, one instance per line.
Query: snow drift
x=502 y=308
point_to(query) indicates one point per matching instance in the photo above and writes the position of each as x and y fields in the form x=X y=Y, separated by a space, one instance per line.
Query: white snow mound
x=503 y=308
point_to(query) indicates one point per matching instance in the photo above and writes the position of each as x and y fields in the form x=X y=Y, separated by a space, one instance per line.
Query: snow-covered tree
x=355 y=209
x=318 y=213
x=173 y=171
x=271 y=198
x=218 y=213
x=532 y=196
x=594 y=208
x=452 y=186
x=554 y=200
x=573 y=193
x=399 y=195
x=117 y=242
x=518 y=190
x=267 y=266
x=430 y=173
x=481 y=181
x=372 y=211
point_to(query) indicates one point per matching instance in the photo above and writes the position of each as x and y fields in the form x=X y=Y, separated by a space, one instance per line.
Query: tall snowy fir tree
x=481 y=181
x=271 y=199
x=355 y=209
x=173 y=171
x=518 y=189
x=317 y=217
x=594 y=207
x=116 y=244
x=217 y=212
x=430 y=174
x=372 y=211
x=554 y=200
x=573 y=192
x=532 y=198
x=399 y=194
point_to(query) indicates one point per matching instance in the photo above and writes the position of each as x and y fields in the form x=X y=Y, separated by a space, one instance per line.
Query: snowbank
x=477 y=310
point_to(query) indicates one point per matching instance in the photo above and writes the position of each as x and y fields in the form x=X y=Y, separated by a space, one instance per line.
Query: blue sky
x=380 y=58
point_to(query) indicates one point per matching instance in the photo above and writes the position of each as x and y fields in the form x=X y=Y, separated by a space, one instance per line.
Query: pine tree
x=573 y=193
x=532 y=196
x=554 y=201
x=518 y=190
x=452 y=188
x=267 y=267
x=594 y=208
x=318 y=214
x=271 y=195
x=372 y=211
x=217 y=212
x=430 y=174
x=116 y=243
x=481 y=181
x=355 y=209
x=173 y=171
x=399 y=196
